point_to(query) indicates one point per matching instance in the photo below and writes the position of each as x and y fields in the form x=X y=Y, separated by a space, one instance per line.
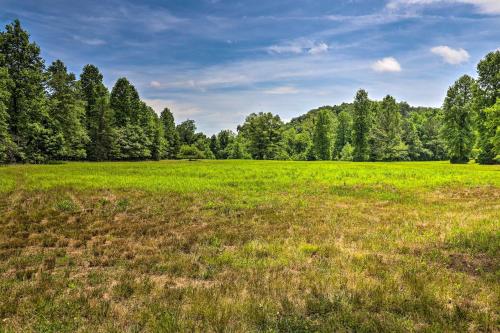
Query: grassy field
x=232 y=246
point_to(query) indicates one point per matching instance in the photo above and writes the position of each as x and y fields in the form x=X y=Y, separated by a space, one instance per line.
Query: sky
x=216 y=61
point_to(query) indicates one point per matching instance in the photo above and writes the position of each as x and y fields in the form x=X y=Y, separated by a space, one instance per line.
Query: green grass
x=259 y=246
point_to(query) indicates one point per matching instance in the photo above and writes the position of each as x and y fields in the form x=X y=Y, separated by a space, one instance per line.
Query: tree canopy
x=48 y=113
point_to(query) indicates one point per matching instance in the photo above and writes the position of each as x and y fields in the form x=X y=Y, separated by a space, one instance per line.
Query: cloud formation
x=284 y=90
x=388 y=64
x=490 y=7
x=299 y=46
x=451 y=56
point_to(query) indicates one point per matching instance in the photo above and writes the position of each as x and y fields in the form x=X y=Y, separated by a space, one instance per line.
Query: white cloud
x=319 y=48
x=155 y=84
x=284 y=90
x=299 y=46
x=90 y=41
x=179 y=109
x=491 y=7
x=451 y=56
x=388 y=64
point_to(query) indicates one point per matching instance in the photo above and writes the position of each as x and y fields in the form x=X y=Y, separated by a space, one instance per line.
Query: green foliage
x=361 y=126
x=131 y=143
x=99 y=116
x=412 y=140
x=7 y=147
x=67 y=111
x=238 y=149
x=344 y=133
x=187 y=132
x=170 y=133
x=264 y=133
x=190 y=152
x=125 y=102
x=322 y=137
x=31 y=127
x=486 y=95
x=387 y=131
x=457 y=122
x=492 y=125
x=347 y=153
x=48 y=115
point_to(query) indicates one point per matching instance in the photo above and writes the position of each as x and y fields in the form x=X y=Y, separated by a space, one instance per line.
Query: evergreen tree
x=457 y=122
x=387 y=131
x=361 y=126
x=344 y=133
x=322 y=137
x=170 y=133
x=67 y=110
x=486 y=95
x=31 y=128
x=98 y=115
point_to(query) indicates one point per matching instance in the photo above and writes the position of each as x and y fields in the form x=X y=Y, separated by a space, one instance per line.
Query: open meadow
x=250 y=246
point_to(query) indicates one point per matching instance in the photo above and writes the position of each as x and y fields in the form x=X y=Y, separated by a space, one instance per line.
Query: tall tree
x=98 y=114
x=457 y=123
x=343 y=133
x=224 y=139
x=361 y=126
x=29 y=121
x=486 y=96
x=387 y=131
x=7 y=153
x=187 y=131
x=412 y=140
x=67 y=110
x=323 y=134
x=263 y=132
x=125 y=102
x=170 y=133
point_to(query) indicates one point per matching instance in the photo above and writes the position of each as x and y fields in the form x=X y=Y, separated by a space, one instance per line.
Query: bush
x=190 y=152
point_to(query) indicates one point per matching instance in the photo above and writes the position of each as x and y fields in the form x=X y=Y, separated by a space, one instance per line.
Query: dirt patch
x=473 y=265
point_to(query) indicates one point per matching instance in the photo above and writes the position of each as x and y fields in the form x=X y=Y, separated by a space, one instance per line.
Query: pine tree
x=361 y=126
x=67 y=110
x=98 y=115
x=343 y=133
x=387 y=130
x=32 y=130
x=457 y=123
x=170 y=133
x=322 y=137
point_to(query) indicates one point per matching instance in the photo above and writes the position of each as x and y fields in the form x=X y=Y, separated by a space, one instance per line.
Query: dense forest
x=48 y=114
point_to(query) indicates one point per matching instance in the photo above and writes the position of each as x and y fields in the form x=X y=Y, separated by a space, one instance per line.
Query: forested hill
x=47 y=114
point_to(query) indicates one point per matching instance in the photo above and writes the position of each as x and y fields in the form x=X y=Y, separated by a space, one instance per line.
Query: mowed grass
x=253 y=246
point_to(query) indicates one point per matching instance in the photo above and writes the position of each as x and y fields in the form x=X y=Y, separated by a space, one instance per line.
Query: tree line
x=47 y=114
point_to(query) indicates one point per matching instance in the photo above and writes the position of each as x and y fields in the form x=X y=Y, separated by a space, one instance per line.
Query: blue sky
x=216 y=61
